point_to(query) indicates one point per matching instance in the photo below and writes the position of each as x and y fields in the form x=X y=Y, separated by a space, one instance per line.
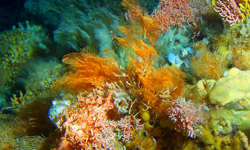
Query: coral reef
x=135 y=74
x=93 y=30
x=35 y=117
x=11 y=135
x=38 y=77
x=79 y=23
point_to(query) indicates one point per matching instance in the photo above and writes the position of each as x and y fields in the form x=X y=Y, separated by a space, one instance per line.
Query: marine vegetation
x=127 y=74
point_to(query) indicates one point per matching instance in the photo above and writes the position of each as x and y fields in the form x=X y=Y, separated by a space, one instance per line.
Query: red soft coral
x=173 y=12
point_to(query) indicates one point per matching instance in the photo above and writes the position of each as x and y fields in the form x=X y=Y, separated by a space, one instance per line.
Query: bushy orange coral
x=87 y=71
x=166 y=83
x=142 y=54
x=207 y=64
x=148 y=26
x=155 y=85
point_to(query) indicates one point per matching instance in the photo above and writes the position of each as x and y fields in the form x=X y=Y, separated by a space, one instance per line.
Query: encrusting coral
x=231 y=88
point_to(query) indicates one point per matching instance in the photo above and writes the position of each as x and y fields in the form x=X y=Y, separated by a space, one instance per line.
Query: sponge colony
x=233 y=87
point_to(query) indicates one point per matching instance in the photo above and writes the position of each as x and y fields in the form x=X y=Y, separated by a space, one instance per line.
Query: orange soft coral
x=164 y=80
x=143 y=54
x=207 y=65
x=159 y=87
x=150 y=27
x=87 y=71
x=155 y=85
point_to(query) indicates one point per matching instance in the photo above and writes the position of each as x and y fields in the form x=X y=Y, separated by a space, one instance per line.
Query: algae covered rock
x=235 y=86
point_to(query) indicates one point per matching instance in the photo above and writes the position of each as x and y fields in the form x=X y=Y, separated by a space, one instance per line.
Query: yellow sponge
x=233 y=87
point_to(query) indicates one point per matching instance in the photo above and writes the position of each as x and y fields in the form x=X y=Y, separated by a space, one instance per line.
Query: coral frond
x=86 y=72
x=207 y=64
x=150 y=27
x=163 y=84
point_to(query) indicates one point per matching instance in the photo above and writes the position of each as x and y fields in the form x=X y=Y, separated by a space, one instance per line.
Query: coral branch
x=186 y=116
x=87 y=71
x=229 y=11
x=173 y=12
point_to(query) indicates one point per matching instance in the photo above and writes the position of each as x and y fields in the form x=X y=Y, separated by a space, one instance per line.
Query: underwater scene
x=125 y=75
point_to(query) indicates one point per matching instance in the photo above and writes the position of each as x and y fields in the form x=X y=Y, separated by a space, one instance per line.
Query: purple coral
x=229 y=11
x=186 y=116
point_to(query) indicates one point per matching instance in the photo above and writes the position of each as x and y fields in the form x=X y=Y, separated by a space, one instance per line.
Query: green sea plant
x=17 y=46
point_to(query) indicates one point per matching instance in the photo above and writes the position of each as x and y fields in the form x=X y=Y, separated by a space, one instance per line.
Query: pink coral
x=87 y=126
x=128 y=126
x=229 y=11
x=173 y=12
x=186 y=116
